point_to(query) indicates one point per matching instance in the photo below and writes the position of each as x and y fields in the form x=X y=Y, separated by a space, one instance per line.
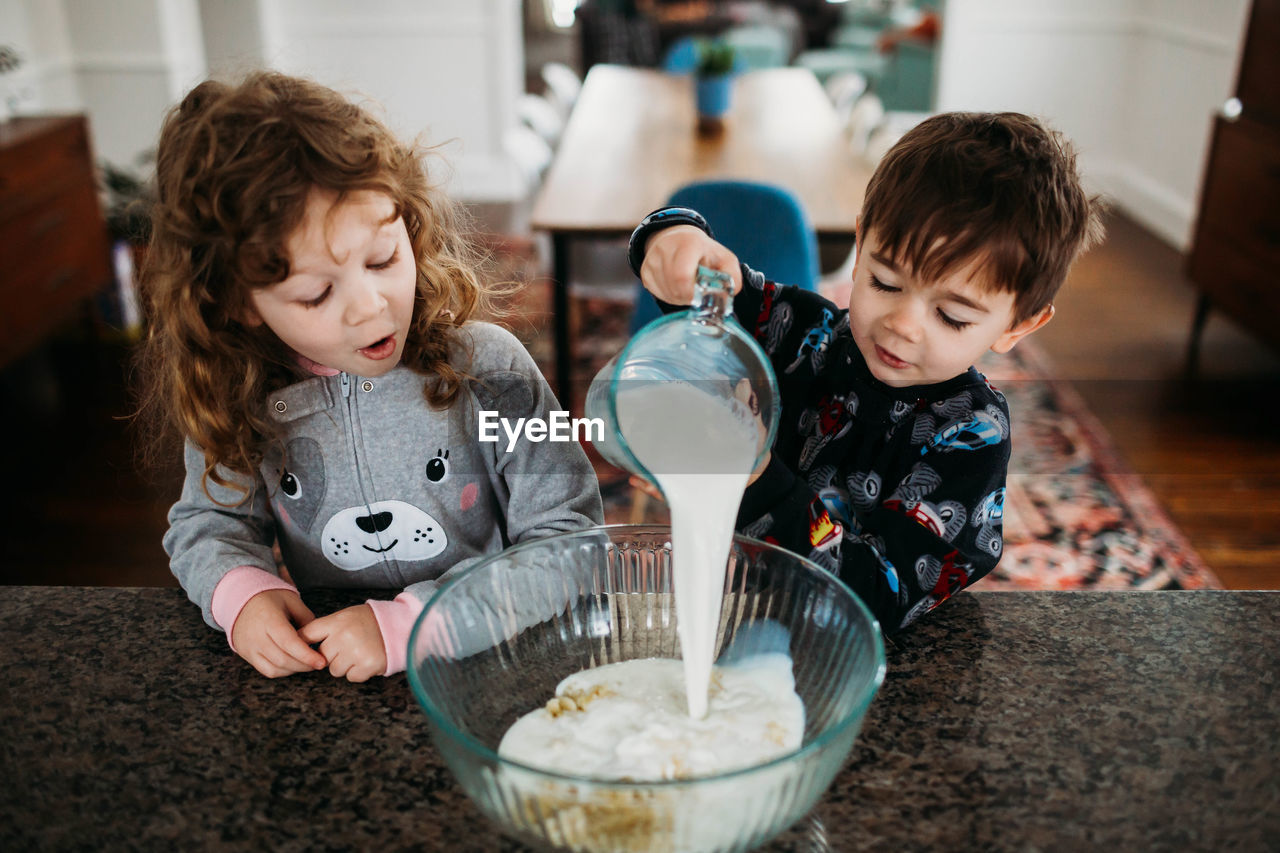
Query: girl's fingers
x=272 y=664
x=357 y=675
x=339 y=664
x=295 y=648
x=287 y=661
x=361 y=668
x=263 y=666
x=335 y=656
x=345 y=644
x=645 y=486
x=299 y=613
x=346 y=664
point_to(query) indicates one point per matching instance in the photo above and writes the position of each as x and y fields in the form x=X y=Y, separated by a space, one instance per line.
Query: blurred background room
x=1160 y=375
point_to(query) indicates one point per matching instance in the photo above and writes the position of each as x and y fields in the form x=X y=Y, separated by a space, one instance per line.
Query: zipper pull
x=346 y=385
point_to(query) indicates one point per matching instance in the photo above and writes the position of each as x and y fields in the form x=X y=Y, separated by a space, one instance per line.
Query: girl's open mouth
x=380 y=349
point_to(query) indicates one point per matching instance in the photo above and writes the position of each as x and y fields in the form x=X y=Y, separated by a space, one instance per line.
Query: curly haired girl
x=310 y=302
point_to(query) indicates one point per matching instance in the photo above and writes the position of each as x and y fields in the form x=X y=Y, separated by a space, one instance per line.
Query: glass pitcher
x=718 y=368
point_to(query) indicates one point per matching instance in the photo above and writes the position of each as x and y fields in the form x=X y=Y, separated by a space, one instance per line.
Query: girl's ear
x=248 y=317
x=1006 y=342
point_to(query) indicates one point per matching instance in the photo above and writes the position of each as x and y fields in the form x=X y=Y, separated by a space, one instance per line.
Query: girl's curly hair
x=234 y=168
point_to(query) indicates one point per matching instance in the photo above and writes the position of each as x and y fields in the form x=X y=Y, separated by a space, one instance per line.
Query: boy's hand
x=671 y=260
x=350 y=641
x=747 y=396
x=764 y=463
x=265 y=635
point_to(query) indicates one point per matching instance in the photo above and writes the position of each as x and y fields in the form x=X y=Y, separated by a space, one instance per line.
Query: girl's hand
x=671 y=260
x=350 y=641
x=640 y=484
x=265 y=635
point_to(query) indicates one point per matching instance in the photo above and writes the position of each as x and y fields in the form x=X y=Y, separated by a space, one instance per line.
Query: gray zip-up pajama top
x=375 y=489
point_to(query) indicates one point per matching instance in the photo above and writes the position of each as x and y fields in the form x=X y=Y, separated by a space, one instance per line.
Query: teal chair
x=764 y=225
x=907 y=84
x=758 y=46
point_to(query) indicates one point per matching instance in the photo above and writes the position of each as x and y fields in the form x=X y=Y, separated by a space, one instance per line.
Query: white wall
x=46 y=80
x=122 y=62
x=232 y=31
x=447 y=71
x=1183 y=66
x=1134 y=83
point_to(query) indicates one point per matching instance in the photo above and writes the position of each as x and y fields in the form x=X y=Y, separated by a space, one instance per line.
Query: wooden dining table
x=634 y=137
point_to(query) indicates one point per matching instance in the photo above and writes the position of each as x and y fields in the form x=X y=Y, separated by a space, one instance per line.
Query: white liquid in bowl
x=627 y=721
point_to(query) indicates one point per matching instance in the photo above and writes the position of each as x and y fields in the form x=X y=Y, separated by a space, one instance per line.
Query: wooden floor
x=1208 y=446
x=78 y=512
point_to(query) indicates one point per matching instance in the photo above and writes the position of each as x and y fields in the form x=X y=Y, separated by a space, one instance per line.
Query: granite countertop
x=1007 y=721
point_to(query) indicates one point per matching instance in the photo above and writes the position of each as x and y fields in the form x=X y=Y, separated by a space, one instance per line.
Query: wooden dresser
x=54 y=250
x=1235 y=254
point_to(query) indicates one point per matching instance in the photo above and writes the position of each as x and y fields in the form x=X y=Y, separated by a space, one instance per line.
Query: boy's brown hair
x=1000 y=187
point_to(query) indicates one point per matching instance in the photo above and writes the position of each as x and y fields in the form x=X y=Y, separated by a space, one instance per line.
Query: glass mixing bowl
x=493 y=643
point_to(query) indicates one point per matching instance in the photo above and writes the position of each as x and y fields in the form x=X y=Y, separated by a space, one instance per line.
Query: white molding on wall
x=44 y=68
x=1048 y=24
x=486 y=178
x=1164 y=212
x=117 y=63
x=1074 y=25
x=1175 y=34
x=361 y=26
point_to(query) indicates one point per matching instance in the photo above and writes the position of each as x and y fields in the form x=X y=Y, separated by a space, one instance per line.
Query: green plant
x=127 y=201
x=714 y=58
x=10 y=59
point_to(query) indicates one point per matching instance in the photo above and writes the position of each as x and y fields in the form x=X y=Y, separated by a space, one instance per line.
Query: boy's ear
x=1006 y=342
x=857 y=239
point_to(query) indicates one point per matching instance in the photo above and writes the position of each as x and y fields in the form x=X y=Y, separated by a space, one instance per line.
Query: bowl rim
x=489 y=755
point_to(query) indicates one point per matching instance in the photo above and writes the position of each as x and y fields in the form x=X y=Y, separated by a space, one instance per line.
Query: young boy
x=890 y=460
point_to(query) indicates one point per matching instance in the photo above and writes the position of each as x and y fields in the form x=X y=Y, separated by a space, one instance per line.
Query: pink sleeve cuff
x=395 y=621
x=234 y=591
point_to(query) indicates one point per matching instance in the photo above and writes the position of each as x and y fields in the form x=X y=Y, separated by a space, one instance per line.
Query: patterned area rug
x=1076 y=516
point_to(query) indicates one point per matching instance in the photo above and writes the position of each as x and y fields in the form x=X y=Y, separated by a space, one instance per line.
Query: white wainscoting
x=1134 y=83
